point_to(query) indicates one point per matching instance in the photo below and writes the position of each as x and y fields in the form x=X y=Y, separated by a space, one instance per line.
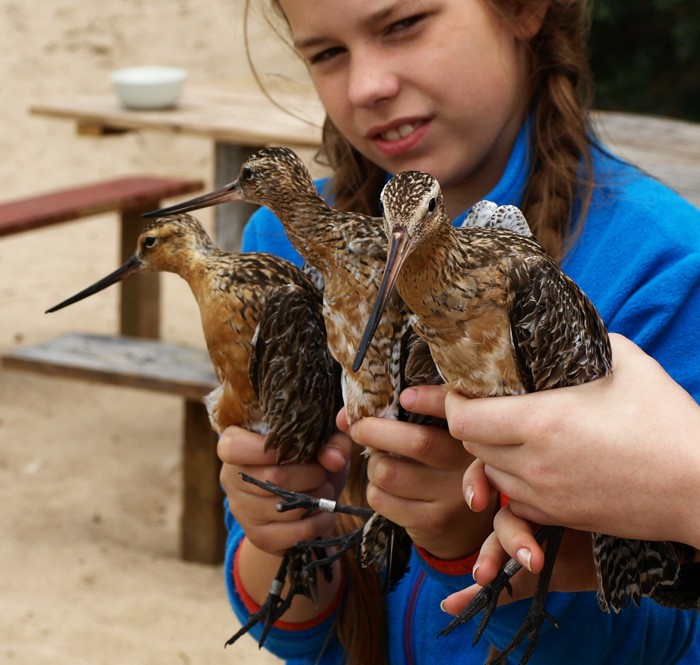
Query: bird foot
x=297 y=569
x=272 y=608
x=348 y=542
x=487 y=600
x=299 y=500
x=529 y=629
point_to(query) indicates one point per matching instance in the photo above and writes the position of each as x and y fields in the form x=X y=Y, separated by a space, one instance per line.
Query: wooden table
x=239 y=118
x=666 y=148
x=235 y=114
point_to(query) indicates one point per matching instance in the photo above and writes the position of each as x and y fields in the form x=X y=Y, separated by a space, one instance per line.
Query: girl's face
x=434 y=85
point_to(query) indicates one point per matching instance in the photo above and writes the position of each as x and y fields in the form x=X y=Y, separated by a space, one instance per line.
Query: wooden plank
x=202 y=529
x=234 y=111
x=667 y=148
x=119 y=194
x=139 y=298
x=229 y=221
x=122 y=361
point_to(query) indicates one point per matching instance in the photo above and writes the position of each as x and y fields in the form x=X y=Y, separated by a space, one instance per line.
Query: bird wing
x=489 y=215
x=559 y=338
x=293 y=374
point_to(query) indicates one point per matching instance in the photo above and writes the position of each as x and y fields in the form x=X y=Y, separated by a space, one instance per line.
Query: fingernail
x=442 y=606
x=469 y=495
x=523 y=556
x=408 y=398
x=475 y=567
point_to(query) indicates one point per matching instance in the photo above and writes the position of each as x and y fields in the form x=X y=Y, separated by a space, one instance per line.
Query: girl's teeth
x=396 y=134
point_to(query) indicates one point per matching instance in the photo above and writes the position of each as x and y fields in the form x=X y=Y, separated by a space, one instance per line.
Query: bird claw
x=345 y=543
x=487 y=600
x=299 y=500
x=529 y=629
x=292 y=500
x=272 y=609
x=302 y=581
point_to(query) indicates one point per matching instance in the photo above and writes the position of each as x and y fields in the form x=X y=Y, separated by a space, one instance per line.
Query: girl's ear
x=531 y=16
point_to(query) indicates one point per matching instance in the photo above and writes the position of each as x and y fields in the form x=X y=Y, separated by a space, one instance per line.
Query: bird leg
x=487 y=600
x=345 y=543
x=299 y=500
x=273 y=607
x=297 y=567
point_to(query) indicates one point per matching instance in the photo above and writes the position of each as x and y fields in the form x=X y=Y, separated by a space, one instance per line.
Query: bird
x=262 y=321
x=348 y=250
x=501 y=318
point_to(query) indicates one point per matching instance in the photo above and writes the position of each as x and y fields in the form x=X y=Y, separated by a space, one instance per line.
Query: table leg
x=139 y=307
x=229 y=220
x=203 y=534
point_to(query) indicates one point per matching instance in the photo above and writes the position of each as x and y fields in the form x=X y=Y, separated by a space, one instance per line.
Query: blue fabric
x=638 y=259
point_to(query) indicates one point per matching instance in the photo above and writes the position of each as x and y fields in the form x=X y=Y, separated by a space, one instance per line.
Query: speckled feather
x=235 y=292
x=348 y=250
x=501 y=318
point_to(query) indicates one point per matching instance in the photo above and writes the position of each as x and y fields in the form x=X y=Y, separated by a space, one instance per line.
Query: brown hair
x=560 y=85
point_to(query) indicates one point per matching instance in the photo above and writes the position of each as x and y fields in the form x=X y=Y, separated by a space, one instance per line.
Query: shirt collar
x=510 y=189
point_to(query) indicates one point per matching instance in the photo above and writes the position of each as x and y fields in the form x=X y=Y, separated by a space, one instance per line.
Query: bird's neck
x=306 y=220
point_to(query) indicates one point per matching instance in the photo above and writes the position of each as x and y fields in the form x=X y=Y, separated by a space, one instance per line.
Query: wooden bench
x=166 y=368
x=129 y=196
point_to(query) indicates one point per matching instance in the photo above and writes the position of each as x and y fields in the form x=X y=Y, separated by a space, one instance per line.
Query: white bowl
x=148 y=87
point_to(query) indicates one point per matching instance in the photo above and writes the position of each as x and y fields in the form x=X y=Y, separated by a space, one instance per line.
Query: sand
x=90 y=475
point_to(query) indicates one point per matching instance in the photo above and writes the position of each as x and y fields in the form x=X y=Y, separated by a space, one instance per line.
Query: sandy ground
x=89 y=475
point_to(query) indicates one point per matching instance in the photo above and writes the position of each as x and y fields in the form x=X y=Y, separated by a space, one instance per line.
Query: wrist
x=461 y=566
x=253 y=572
x=689 y=503
x=461 y=536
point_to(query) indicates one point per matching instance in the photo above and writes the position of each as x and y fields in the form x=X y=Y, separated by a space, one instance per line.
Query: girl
x=487 y=96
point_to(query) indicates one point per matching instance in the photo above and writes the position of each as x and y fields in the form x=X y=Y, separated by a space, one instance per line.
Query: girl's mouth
x=400 y=132
x=400 y=137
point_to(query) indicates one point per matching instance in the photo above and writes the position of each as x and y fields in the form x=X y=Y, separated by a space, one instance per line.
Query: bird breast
x=464 y=318
x=475 y=357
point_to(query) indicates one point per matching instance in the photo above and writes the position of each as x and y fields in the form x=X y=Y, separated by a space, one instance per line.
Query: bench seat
x=151 y=365
x=130 y=197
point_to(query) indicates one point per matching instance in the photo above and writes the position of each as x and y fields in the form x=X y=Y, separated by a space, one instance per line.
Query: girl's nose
x=371 y=80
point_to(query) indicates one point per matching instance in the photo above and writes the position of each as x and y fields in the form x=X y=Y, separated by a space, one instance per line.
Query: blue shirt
x=638 y=259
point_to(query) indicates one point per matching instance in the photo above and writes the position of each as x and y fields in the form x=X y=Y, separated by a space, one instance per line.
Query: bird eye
x=248 y=173
x=431 y=205
x=149 y=241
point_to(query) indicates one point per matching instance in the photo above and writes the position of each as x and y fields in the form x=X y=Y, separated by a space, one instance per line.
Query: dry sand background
x=89 y=475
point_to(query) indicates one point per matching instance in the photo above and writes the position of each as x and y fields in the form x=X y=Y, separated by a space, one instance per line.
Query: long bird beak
x=132 y=266
x=230 y=192
x=400 y=249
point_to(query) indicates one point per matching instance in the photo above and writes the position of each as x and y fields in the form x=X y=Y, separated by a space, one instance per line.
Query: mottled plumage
x=262 y=322
x=501 y=318
x=347 y=249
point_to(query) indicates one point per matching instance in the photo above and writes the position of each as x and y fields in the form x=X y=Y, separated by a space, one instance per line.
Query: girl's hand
x=255 y=510
x=415 y=479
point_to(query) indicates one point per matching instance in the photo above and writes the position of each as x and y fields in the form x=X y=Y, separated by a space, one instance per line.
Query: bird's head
x=271 y=176
x=413 y=211
x=274 y=175
x=412 y=205
x=164 y=245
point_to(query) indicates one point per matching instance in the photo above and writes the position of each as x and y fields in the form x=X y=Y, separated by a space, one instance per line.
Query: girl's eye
x=325 y=55
x=405 y=23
